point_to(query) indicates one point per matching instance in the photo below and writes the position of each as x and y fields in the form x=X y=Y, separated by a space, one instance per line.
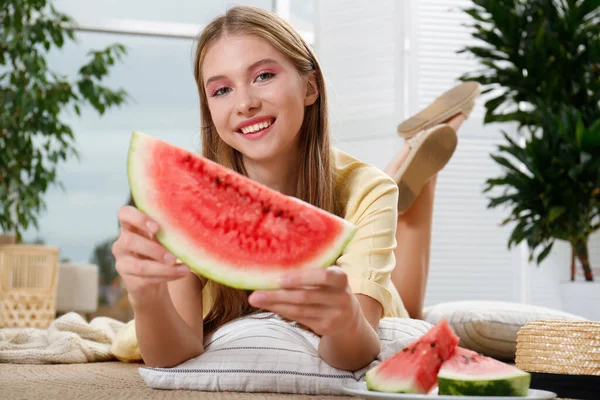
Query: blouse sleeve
x=369 y=259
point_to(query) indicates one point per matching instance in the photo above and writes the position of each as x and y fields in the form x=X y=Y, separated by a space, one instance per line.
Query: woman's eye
x=221 y=91
x=264 y=76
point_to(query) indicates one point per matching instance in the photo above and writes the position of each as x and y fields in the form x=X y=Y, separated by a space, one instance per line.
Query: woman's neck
x=279 y=174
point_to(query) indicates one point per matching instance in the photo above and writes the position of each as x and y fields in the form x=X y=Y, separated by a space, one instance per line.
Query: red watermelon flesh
x=414 y=369
x=225 y=226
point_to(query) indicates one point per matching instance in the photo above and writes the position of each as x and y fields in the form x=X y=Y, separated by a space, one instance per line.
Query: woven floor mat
x=105 y=380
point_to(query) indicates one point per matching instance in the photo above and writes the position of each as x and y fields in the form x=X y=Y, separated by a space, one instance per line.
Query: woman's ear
x=312 y=91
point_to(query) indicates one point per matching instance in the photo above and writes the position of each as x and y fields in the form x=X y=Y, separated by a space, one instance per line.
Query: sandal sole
x=443 y=108
x=425 y=160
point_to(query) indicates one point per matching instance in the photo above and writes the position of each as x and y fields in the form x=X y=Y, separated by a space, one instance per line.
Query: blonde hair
x=315 y=180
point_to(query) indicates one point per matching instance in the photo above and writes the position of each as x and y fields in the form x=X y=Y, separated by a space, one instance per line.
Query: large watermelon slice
x=468 y=373
x=225 y=226
x=414 y=369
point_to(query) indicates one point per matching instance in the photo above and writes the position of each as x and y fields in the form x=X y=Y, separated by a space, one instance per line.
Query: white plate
x=360 y=389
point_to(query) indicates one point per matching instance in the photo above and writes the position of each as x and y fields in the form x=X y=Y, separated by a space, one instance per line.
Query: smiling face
x=255 y=96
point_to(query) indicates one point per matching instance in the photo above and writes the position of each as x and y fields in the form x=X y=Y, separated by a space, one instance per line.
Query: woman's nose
x=247 y=101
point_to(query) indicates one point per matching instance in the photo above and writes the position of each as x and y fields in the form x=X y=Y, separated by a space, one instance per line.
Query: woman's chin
x=263 y=151
x=258 y=155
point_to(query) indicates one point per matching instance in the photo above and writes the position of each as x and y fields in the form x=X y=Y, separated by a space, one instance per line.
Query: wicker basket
x=7 y=239
x=28 y=281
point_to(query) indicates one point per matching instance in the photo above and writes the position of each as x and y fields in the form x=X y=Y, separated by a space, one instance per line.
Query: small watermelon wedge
x=225 y=226
x=414 y=369
x=468 y=373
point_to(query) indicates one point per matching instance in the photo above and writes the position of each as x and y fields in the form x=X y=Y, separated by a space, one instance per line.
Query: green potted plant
x=34 y=141
x=540 y=63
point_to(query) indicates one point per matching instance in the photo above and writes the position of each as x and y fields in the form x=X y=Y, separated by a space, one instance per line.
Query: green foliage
x=102 y=257
x=537 y=50
x=540 y=60
x=34 y=140
x=551 y=182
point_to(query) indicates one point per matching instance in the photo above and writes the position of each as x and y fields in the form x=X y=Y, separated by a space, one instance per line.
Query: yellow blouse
x=371 y=199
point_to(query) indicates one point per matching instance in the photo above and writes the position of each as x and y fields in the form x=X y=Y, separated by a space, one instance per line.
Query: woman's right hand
x=142 y=262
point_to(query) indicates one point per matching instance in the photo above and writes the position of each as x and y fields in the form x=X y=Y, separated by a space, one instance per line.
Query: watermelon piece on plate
x=224 y=225
x=414 y=369
x=468 y=373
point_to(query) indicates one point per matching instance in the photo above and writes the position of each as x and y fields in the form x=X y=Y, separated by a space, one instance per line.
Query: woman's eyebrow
x=262 y=62
x=251 y=67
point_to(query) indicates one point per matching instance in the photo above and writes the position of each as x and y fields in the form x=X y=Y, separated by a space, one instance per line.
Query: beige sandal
x=460 y=98
x=429 y=152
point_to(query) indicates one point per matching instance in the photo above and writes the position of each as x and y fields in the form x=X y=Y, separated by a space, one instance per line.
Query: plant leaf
x=555 y=212
x=545 y=252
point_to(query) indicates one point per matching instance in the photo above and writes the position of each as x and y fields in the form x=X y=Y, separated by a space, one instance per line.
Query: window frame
x=178 y=30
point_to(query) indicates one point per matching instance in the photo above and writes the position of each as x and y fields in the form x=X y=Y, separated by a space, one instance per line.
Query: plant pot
x=7 y=239
x=581 y=298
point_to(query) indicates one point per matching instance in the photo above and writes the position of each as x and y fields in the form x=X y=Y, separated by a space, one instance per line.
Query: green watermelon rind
x=516 y=385
x=397 y=386
x=201 y=262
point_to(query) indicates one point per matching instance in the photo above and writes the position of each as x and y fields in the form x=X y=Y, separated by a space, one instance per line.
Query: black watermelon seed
x=279 y=213
x=188 y=158
x=218 y=181
x=432 y=344
x=266 y=209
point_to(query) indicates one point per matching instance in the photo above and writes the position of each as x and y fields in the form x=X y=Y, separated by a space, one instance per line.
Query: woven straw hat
x=559 y=347
x=562 y=356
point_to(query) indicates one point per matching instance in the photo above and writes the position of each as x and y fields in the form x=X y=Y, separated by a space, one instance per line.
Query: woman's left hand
x=318 y=298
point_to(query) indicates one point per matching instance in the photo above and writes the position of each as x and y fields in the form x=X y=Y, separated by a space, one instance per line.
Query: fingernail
x=182 y=269
x=257 y=297
x=170 y=258
x=152 y=226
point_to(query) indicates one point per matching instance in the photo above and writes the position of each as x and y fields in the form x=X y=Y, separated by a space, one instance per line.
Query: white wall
x=359 y=44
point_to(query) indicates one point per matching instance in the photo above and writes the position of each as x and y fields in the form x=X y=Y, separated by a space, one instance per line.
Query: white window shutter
x=387 y=60
x=360 y=47
x=469 y=256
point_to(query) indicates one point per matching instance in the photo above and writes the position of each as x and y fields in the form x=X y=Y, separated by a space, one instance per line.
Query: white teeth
x=256 y=127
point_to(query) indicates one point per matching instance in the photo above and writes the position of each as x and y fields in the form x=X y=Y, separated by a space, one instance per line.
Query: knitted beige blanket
x=70 y=339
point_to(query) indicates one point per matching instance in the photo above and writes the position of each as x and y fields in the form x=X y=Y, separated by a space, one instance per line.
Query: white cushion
x=490 y=327
x=264 y=353
x=77 y=288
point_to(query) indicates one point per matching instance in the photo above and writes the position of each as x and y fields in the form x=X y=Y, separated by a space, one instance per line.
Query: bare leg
x=414 y=239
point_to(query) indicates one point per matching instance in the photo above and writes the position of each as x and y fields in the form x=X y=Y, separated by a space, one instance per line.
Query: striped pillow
x=264 y=353
x=490 y=327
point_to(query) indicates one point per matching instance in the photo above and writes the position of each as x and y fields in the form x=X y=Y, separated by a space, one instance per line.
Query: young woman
x=264 y=114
